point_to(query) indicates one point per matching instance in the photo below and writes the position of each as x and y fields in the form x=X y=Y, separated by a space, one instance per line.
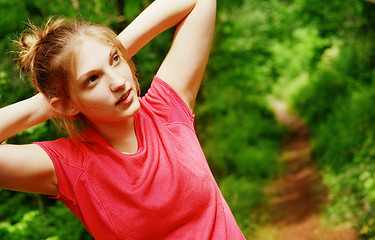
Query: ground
x=297 y=198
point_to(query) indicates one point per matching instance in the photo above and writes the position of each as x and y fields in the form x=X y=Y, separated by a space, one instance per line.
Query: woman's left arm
x=184 y=65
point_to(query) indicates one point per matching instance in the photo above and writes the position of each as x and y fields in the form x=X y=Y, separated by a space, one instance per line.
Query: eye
x=116 y=57
x=92 y=79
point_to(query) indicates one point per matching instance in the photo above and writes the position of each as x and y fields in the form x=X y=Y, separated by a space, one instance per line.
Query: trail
x=297 y=198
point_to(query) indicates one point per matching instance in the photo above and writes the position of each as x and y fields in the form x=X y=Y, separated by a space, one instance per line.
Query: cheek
x=136 y=86
x=96 y=101
x=125 y=70
x=93 y=101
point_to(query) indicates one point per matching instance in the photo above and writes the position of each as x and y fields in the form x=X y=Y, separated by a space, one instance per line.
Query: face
x=105 y=88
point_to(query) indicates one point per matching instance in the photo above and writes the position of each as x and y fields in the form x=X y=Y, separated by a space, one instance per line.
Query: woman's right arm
x=25 y=168
x=22 y=115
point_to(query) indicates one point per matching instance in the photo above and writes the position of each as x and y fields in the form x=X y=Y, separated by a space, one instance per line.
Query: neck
x=121 y=135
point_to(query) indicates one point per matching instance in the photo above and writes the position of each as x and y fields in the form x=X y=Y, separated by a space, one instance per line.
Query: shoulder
x=69 y=158
x=65 y=151
x=165 y=102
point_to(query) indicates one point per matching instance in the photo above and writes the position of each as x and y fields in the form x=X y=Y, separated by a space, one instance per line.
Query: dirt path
x=296 y=199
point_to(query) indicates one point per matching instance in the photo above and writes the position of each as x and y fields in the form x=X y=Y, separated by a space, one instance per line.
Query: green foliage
x=349 y=130
x=20 y=229
x=337 y=102
x=14 y=205
x=54 y=222
x=234 y=122
x=352 y=197
x=244 y=195
x=68 y=226
x=294 y=58
x=352 y=189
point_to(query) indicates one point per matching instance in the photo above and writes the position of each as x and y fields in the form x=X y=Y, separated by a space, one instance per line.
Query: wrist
x=41 y=107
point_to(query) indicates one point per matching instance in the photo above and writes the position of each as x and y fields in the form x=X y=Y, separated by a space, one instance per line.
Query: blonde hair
x=49 y=55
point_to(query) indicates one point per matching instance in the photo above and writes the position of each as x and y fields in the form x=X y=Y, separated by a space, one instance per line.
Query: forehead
x=92 y=54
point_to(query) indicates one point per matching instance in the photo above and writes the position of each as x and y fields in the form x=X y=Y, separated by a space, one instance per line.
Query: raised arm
x=22 y=115
x=184 y=65
x=25 y=167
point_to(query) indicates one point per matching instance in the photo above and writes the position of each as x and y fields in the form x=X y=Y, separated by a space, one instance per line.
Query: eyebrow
x=83 y=77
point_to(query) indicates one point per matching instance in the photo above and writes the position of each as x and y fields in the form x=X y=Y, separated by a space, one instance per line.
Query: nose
x=116 y=81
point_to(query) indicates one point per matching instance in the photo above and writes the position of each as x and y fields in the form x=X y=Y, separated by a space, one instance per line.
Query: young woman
x=134 y=168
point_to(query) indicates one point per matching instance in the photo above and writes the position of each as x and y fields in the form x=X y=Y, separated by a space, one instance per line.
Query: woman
x=135 y=169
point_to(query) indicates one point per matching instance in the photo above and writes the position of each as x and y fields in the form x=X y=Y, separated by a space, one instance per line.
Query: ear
x=68 y=110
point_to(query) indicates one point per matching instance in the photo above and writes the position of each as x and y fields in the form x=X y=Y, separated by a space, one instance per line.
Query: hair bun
x=28 y=45
x=29 y=42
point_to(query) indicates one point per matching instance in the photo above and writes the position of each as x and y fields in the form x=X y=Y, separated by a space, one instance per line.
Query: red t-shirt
x=163 y=191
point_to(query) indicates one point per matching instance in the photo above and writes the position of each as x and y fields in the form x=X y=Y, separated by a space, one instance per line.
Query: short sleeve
x=164 y=101
x=68 y=168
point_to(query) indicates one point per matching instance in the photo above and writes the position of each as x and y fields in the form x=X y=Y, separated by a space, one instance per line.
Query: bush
x=243 y=195
x=32 y=218
x=338 y=139
x=337 y=104
x=352 y=197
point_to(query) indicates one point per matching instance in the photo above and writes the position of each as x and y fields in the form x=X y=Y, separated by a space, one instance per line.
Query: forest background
x=317 y=56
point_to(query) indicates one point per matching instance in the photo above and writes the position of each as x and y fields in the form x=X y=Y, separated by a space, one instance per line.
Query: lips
x=124 y=97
